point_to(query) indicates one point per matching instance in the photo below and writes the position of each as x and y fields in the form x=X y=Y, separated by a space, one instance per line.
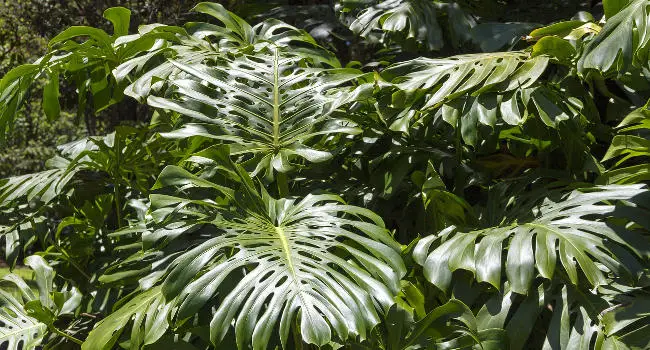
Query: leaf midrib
x=287 y=253
x=276 y=102
x=279 y=230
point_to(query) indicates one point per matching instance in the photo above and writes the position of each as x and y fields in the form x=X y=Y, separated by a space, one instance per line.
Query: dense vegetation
x=399 y=174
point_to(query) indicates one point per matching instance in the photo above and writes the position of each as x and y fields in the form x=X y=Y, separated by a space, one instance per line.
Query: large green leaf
x=447 y=78
x=266 y=105
x=622 y=44
x=478 y=89
x=199 y=42
x=327 y=264
x=575 y=228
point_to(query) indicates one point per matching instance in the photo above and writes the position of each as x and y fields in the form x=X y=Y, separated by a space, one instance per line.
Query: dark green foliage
x=490 y=194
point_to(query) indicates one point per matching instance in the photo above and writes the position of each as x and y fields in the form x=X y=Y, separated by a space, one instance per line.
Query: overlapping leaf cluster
x=277 y=199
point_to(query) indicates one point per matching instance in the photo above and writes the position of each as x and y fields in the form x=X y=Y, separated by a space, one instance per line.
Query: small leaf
x=555 y=47
x=120 y=17
x=560 y=29
x=612 y=7
x=51 y=105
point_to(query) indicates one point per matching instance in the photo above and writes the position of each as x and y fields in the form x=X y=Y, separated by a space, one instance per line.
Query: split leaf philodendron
x=280 y=197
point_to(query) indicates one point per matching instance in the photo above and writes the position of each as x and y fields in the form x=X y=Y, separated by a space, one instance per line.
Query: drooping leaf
x=120 y=17
x=612 y=7
x=51 y=105
x=560 y=29
x=457 y=75
x=14 y=89
x=492 y=37
x=413 y=19
x=574 y=228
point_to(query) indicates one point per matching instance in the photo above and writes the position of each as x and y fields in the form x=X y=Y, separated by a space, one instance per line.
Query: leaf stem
x=116 y=187
x=118 y=206
x=276 y=101
x=65 y=335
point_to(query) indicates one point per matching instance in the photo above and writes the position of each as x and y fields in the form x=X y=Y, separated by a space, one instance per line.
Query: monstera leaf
x=232 y=32
x=578 y=229
x=27 y=201
x=451 y=77
x=266 y=105
x=320 y=21
x=416 y=19
x=409 y=22
x=16 y=327
x=102 y=65
x=25 y=316
x=48 y=184
x=626 y=323
x=529 y=322
x=622 y=43
x=262 y=89
x=264 y=262
x=20 y=223
x=475 y=89
x=631 y=149
x=197 y=42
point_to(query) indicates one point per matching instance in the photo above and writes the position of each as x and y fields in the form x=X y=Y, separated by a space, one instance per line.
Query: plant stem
x=65 y=335
x=116 y=188
x=118 y=206
x=283 y=186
